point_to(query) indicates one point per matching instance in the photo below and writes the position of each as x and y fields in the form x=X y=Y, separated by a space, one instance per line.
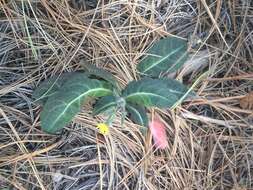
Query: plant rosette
x=62 y=97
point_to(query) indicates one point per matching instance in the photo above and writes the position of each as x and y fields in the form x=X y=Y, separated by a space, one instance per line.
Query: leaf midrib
x=145 y=93
x=106 y=106
x=79 y=97
x=138 y=113
x=161 y=60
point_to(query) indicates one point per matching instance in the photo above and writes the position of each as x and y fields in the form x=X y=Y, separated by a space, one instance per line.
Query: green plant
x=63 y=96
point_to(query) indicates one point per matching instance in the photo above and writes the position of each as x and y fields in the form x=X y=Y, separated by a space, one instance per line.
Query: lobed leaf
x=103 y=104
x=50 y=86
x=98 y=72
x=137 y=114
x=160 y=93
x=166 y=55
x=61 y=107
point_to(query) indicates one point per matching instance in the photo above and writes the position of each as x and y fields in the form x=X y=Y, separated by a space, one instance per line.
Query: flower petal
x=103 y=128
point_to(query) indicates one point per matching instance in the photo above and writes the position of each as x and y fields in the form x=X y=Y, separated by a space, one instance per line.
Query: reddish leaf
x=158 y=132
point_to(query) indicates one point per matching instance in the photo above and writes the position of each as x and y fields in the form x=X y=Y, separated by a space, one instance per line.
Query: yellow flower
x=103 y=128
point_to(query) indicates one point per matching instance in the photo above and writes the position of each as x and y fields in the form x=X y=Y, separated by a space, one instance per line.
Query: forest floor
x=210 y=140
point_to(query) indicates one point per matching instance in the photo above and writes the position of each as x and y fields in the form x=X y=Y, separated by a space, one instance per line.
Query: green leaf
x=50 y=86
x=100 y=73
x=160 y=93
x=166 y=55
x=103 y=104
x=67 y=102
x=137 y=114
